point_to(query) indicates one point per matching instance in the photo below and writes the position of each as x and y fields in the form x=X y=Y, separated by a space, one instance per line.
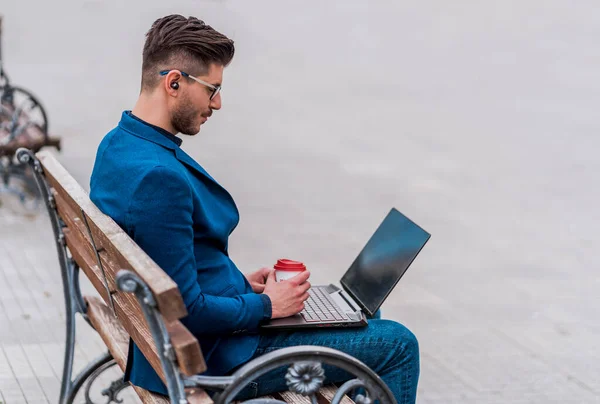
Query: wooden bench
x=138 y=299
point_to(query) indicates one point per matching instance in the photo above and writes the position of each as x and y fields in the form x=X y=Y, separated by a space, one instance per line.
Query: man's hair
x=187 y=44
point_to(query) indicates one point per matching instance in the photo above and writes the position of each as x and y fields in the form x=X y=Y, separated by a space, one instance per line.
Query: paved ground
x=476 y=119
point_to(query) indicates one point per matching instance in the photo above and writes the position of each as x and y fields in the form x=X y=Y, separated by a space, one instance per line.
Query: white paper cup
x=281 y=275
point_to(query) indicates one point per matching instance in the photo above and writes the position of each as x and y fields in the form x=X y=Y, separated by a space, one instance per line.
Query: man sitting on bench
x=182 y=218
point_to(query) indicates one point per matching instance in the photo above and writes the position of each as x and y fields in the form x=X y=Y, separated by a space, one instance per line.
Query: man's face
x=193 y=106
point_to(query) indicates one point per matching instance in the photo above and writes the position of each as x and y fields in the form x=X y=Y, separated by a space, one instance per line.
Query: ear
x=174 y=76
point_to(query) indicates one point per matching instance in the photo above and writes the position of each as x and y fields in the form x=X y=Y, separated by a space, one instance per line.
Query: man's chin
x=192 y=132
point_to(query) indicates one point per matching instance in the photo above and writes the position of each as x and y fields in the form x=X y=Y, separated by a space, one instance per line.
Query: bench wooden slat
x=150 y=398
x=108 y=235
x=80 y=237
x=86 y=263
x=326 y=394
x=292 y=398
x=111 y=331
x=187 y=349
x=128 y=308
x=185 y=345
x=194 y=396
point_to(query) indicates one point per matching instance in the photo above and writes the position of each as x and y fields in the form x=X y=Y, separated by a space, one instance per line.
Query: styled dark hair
x=188 y=44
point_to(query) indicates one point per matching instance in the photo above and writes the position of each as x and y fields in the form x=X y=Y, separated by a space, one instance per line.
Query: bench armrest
x=305 y=375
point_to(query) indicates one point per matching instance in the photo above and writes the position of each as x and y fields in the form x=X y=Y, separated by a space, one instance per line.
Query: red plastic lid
x=289 y=265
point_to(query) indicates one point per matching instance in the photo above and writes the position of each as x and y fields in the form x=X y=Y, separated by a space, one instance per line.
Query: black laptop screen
x=384 y=259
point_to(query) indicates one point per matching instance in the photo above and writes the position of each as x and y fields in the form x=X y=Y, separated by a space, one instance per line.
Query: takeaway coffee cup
x=286 y=269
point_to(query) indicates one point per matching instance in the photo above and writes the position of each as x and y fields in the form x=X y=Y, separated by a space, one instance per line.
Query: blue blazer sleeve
x=160 y=222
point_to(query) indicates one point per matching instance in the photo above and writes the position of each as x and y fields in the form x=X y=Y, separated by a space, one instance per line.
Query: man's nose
x=215 y=103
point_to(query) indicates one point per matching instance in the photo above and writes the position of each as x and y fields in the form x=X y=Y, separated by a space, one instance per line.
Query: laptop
x=367 y=283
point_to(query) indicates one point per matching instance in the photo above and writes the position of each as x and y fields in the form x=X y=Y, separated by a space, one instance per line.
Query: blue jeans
x=385 y=346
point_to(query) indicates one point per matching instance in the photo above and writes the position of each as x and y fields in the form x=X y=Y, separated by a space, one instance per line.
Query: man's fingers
x=300 y=278
x=258 y=287
x=304 y=287
x=271 y=277
x=264 y=272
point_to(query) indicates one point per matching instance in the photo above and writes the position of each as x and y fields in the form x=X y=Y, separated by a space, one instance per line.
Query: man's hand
x=288 y=296
x=258 y=279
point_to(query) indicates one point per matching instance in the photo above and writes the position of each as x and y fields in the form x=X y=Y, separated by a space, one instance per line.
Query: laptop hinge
x=349 y=301
x=354 y=299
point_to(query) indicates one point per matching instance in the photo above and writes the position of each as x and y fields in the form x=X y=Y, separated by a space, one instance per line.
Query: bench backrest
x=116 y=251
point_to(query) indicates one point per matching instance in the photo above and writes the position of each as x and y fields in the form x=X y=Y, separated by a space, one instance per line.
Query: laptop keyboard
x=319 y=307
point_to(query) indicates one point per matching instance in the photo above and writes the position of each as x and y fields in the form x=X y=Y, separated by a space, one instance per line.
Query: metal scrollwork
x=110 y=392
x=305 y=378
x=114 y=389
x=349 y=386
x=360 y=399
x=305 y=375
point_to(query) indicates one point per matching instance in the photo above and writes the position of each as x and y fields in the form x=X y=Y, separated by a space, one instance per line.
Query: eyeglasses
x=215 y=89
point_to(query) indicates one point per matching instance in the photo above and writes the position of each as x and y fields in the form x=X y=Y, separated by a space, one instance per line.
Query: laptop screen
x=384 y=259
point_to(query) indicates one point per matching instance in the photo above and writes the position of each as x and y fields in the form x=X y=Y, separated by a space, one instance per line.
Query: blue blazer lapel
x=191 y=163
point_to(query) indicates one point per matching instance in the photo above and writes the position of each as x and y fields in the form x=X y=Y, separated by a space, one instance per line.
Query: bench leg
x=17 y=180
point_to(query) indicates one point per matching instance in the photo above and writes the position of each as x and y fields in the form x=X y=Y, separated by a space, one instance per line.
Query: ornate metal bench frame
x=17 y=106
x=305 y=374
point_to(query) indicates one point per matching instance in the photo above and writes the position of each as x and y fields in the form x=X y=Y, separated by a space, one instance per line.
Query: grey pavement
x=477 y=119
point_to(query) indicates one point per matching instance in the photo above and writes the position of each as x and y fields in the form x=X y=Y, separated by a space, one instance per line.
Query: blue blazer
x=181 y=217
